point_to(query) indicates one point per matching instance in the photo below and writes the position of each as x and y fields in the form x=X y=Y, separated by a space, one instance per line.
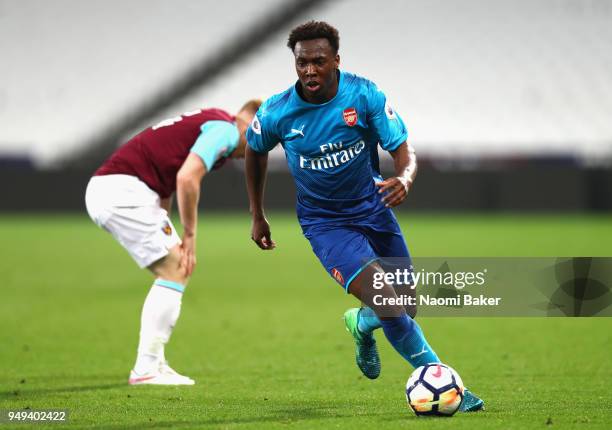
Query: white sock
x=159 y=314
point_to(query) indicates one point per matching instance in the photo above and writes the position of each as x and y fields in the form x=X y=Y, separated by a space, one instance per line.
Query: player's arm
x=188 y=181
x=392 y=136
x=215 y=139
x=256 y=165
x=397 y=187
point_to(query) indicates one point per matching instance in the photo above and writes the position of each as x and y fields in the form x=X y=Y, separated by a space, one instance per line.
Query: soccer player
x=130 y=196
x=330 y=124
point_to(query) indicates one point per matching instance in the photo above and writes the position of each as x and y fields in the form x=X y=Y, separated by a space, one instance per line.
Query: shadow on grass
x=285 y=416
x=285 y=413
x=21 y=393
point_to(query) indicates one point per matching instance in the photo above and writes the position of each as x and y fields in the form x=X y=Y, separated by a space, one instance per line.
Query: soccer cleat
x=470 y=402
x=164 y=375
x=366 y=353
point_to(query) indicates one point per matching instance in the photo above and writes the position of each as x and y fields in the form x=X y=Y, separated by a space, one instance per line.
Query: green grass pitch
x=261 y=332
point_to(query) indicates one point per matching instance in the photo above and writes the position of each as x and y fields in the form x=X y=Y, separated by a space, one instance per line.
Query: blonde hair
x=251 y=106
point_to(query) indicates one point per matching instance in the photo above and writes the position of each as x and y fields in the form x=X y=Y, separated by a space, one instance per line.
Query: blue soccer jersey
x=331 y=148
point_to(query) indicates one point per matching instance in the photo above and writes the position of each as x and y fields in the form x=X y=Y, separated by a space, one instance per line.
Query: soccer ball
x=434 y=389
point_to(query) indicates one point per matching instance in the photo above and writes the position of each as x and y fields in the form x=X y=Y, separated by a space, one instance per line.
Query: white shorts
x=128 y=209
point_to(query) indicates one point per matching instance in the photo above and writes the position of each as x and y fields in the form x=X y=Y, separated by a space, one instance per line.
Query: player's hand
x=260 y=234
x=188 y=254
x=395 y=190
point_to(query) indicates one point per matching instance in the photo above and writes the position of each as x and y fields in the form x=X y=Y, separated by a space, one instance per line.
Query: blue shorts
x=346 y=249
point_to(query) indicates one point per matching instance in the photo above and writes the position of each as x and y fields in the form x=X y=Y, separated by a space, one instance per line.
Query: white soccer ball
x=434 y=389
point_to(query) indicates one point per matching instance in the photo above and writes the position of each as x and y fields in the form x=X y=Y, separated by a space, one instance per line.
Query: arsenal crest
x=337 y=276
x=350 y=116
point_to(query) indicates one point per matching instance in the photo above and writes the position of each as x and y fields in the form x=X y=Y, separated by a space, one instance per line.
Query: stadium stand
x=485 y=87
x=473 y=78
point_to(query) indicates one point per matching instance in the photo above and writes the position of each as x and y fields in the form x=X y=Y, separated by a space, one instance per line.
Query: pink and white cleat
x=164 y=375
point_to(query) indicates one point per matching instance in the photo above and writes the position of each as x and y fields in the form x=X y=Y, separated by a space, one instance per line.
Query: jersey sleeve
x=217 y=139
x=386 y=123
x=261 y=135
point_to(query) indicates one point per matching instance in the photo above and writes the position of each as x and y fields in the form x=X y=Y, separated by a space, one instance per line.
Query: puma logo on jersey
x=295 y=133
x=300 y=131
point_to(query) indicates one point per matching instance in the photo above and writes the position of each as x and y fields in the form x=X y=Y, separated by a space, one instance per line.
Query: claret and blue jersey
x=331 y=148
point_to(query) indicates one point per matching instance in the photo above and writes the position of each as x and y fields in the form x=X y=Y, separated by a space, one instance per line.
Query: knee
x=177 y=276
x=173 y=272
x=411 y=310
x=170 y=269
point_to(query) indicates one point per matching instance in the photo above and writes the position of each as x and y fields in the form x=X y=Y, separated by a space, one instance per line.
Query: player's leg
x=144 y=230
x=342 y=251
x=402 y=331
x=160 y=313
x=387 y=241
x=384 y=239
x=347 y=254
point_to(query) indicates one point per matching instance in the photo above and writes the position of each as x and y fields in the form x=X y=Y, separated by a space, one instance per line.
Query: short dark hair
x=314 y=30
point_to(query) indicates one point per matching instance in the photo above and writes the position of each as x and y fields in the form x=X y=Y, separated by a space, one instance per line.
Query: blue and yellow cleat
x=470 y=402
x=366 y=353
